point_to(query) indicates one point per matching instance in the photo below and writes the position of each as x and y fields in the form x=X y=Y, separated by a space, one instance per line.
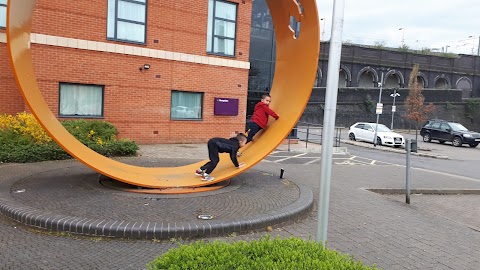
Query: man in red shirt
x=260 y=116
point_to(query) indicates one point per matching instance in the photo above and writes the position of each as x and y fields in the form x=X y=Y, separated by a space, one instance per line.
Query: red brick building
x=152 y=68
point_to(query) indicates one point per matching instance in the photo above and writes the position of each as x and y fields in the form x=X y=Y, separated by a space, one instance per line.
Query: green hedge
x=22 y=149
x=292 y=253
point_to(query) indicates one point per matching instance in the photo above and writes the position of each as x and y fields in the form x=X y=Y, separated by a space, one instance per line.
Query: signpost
x=379 y=109
x=394 y=108
x=329 y=120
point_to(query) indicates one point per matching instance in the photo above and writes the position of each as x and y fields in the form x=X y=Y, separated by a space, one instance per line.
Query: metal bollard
x=282 y=171
x=407 y=184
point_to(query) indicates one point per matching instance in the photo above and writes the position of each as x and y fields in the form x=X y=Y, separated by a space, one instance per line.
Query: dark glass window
x=436 y=125
x=186 y=105
x=444 y=126
x=81 y=100
x=3 y=13
x=127 y=20
x=222 y=27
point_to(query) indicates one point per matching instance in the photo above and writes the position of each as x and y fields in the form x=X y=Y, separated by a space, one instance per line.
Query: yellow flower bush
x=22 y=139
x=25 y=124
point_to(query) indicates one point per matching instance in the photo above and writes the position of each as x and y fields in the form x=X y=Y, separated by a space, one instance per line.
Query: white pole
x=329 y=120
x=393 y=106
x=378 y=115
x=478 y=49
x=408 y=148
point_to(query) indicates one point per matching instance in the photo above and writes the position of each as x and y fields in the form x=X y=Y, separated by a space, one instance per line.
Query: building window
x=222 y=26
x=3 y=13
x=186 y=105
x=81 y=100
x=127 y=20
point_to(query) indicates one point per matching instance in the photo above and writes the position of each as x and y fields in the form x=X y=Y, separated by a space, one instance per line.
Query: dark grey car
x=444 y=131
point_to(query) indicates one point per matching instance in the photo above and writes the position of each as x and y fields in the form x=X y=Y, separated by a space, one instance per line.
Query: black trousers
x=254 y=128
x=213 y=155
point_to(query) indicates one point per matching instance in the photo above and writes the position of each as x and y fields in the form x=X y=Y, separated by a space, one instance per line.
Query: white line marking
x=310 y=162
x=283 y=159
x=291 y=156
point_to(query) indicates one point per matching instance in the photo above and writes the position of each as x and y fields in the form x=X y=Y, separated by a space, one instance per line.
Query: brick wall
x=137 y=102
x=11 y=100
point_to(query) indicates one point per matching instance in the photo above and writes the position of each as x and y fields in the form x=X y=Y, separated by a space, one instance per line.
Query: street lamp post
x=378 y=112
x=394 y=95
x=473 y=44
x=403 y=36
x=322 y=35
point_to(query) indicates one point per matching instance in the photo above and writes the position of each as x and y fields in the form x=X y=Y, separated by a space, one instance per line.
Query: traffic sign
x=379 y=109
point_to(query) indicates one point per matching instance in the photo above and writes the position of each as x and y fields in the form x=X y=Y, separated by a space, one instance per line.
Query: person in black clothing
x=221 y=145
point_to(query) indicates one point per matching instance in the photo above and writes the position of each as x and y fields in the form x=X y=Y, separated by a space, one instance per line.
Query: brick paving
x=71 y=199
x=434 y=232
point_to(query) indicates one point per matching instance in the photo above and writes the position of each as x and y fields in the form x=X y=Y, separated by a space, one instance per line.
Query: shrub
x=25 y=125
x=31 y=152
x=22 y=139
x=101 y=137
x=292 y=253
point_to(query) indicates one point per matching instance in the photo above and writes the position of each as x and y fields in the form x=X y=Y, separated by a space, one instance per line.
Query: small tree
x=404 y=48
x=379 y=44
x=416 y=109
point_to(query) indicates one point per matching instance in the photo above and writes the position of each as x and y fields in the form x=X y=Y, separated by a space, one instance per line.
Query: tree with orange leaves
x=416 y=110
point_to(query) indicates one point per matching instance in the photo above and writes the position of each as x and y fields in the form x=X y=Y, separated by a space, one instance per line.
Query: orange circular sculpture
x=295 y=70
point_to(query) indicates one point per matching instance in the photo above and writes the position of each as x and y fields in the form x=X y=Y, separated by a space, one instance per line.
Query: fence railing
x=312 y=133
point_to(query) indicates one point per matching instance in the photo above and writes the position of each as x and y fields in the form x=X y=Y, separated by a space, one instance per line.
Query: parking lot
x=285 y=157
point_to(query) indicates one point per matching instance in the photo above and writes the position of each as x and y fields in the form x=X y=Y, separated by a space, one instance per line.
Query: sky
x=439 y=25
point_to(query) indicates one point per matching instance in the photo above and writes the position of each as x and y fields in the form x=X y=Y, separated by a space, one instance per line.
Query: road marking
x=310 y=162
x=287 y=158
x=349 y=162
x=352 y=160
x=445 y=174
x=291 y=156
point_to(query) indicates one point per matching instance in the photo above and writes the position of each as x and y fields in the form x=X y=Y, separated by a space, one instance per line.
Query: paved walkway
x=434 y=232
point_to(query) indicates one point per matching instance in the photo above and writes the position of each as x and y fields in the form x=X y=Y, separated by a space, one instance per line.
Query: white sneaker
x=207 y=177
x=198 y=172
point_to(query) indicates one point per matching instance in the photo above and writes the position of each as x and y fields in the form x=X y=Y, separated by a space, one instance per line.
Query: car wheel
x=351 y=136
x=427 y=137
x=379 y=141
x=457 y=141
x=441 y=142
x=473 y=144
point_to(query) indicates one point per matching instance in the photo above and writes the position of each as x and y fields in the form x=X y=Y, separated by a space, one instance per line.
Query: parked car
x=366 y=132
x=444 y=131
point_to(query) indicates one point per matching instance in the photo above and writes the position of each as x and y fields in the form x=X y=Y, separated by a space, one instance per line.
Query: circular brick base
x=71 y=199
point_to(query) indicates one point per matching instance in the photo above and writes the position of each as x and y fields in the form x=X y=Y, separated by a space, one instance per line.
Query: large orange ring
x=296 y=65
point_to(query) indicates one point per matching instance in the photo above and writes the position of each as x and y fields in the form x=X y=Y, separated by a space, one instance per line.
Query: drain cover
x=205 y=217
